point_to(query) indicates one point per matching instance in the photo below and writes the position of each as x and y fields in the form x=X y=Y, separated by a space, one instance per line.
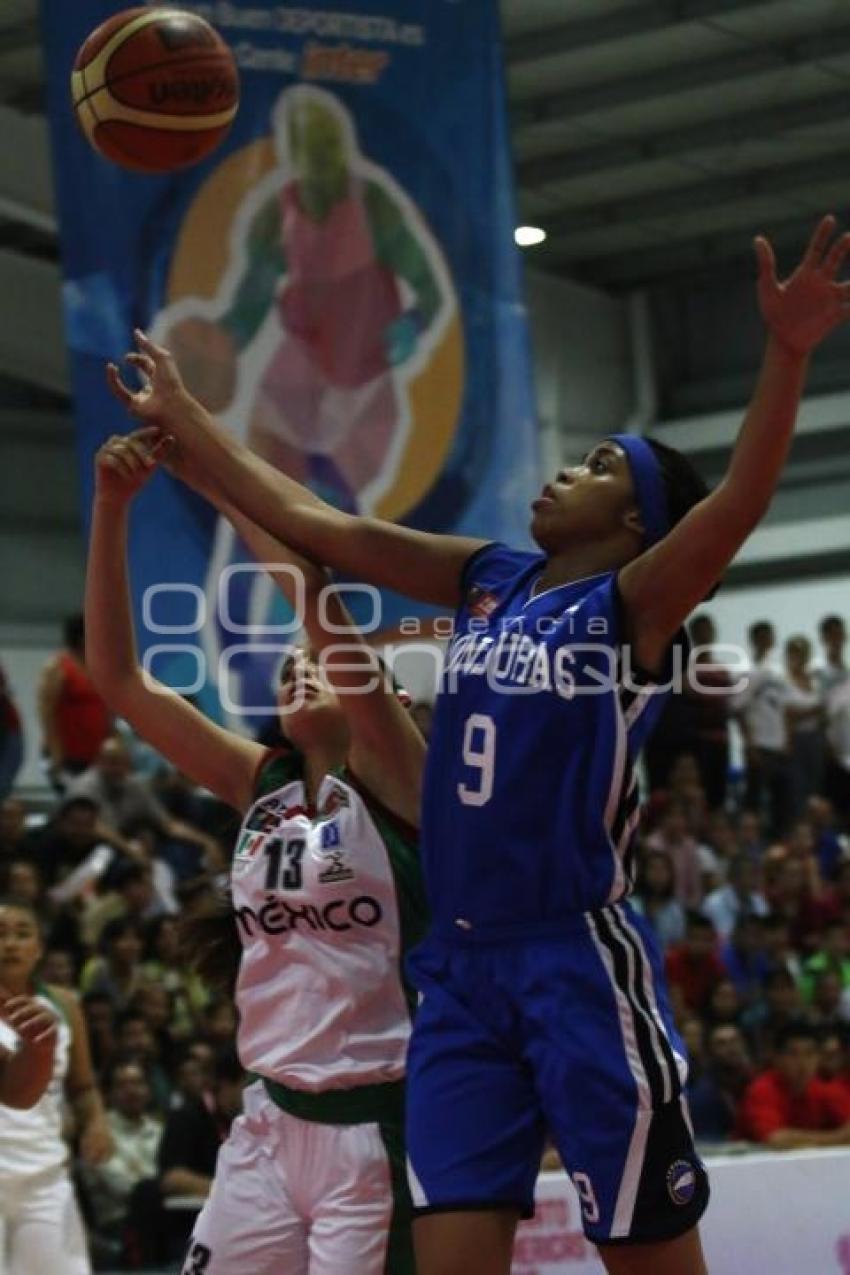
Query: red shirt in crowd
x=695 y=976
x=769 y=1105
x=83 y=721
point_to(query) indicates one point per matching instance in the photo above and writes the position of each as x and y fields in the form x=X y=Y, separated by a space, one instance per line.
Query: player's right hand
x=163 y=399
x=126 y=462
x=35 y=1023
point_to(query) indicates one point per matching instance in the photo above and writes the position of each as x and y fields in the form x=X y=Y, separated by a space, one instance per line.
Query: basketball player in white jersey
x=41 y=1227
x=326 y=896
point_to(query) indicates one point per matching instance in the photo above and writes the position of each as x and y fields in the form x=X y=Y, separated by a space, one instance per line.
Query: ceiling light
x=528 y=236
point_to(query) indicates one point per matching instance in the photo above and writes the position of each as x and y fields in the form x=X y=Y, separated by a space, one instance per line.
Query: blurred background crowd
x=742 y=869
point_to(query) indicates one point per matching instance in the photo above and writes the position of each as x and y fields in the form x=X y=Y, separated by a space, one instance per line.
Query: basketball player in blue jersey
x=543 y=1004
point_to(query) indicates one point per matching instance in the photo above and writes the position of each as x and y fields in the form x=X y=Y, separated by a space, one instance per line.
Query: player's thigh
x=248 y=1223
x=361 y=1210
x=610 y=1077
x=466 y=1242
x=680 y=1256
x=36 y=1239
x=474 y=1127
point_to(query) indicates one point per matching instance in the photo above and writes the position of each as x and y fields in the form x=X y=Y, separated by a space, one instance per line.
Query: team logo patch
x=681 y=1181
x=331 y=852
x=247 y=848
x=480 y=602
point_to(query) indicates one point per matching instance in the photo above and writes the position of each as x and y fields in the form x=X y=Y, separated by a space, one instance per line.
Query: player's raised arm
x=423 y=566
x=662 y=586
x=219 y=759
x=387 y=750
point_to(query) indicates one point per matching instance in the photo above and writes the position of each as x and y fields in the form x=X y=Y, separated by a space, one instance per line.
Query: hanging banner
x=339 y=284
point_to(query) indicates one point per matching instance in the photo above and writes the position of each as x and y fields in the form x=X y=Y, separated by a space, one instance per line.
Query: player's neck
x=581 y=561
x=321 y=760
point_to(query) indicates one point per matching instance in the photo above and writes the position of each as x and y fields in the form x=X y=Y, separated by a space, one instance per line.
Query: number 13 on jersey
x=479 y=754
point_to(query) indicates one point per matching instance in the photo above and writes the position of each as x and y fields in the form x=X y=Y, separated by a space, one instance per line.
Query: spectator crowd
x=743 y=872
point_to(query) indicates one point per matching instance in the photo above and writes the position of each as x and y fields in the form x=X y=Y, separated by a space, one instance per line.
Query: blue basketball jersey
x=531 y=798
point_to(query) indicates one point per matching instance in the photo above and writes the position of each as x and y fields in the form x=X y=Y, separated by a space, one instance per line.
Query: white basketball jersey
x=325 y=903
x=31 y=1141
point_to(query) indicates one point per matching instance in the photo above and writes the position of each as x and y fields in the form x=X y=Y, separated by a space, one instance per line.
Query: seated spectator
x=59 y=968
x=835 y=1058
x=136 y=1135
x=837 y=779
x=11 y=737
x=116 y=971
x=194 y=1132
x=673 y=839
x=653 y=897
x=716 y=1095
x=760 y=709
x=739 y=897
x=22 y=880
x=788 y=1106
x=219 y=1023
x=164 y=964
x=131 y=898
x=745 y=958
x=776 y=936
x=135 y=1038
x=791 y=887
x=13 y=828
x=833 y=954
x=693 y=966
x=74 y=718
x=830 y=1008
x=724 y=1006
x=831 y=848
x=709 y=690
x=781 y=1007
x=193 y=1074
x=99 y=1014
x=125 y=802
x=68 y=840
x=153 y=1002
x=805 y=720
x=692 y=1031
x=750 y=837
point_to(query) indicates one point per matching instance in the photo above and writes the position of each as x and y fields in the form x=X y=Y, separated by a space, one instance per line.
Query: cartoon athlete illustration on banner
x=334 y=299
x=336 y=261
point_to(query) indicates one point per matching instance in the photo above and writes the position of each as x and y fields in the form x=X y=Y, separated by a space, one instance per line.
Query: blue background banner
x=338 y=280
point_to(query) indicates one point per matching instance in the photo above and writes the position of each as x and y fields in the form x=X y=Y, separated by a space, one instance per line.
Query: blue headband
x=649 y=486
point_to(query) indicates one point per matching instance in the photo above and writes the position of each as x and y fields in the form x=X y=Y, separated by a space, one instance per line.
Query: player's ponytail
x=209 y=944
x=683 y=484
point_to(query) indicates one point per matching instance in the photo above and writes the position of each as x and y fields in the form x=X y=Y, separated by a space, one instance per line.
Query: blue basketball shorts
x=570 y=1036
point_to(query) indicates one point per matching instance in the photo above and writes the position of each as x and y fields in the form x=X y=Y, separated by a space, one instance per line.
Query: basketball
x=155 y=90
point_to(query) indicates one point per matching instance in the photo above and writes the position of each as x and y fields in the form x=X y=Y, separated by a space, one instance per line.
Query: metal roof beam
x=697 y=254
x=628 y=90
x=534 y=46
x=705 y=194
x=20 y=35
x=723 y=131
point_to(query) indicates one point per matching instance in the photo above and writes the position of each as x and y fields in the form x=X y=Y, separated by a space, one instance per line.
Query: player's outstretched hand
x=34 y=1022
x=804 y=308
x=163 y=397
x=125 y=462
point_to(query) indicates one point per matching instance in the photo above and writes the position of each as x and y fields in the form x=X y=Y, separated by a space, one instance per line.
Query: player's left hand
x=162 y=398
x=804 y=308
x=96 y=1143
